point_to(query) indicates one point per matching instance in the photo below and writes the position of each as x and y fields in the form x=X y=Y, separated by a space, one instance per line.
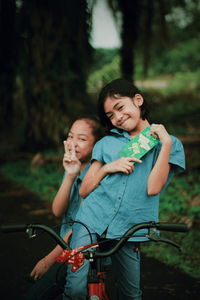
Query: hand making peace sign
x=71 y=163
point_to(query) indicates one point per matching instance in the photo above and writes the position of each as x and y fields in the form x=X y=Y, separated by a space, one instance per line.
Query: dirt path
x=18 y=254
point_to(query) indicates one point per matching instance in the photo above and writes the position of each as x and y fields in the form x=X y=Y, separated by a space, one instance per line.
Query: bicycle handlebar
x=174 y=227
x=13 y=228
x=29 y=228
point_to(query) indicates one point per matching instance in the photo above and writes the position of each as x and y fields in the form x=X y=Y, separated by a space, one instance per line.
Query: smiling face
x=124 y=113
x=81 y=134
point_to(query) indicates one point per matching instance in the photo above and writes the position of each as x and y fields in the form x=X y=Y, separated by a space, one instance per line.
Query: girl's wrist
x=167 y=142
x=47 y=261
x=105 y=169
x=71 y=177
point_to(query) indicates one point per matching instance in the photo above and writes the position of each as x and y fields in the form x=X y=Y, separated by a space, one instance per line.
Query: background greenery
x=41 y=173
x=50 y=74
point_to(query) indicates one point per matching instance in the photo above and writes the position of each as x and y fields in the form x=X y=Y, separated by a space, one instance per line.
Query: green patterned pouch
x=139 y=145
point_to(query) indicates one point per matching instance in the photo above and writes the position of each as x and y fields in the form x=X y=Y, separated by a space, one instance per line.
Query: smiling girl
x=49 y=279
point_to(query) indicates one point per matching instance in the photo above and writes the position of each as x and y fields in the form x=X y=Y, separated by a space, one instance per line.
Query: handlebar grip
x=13 y=228
x=172 y=227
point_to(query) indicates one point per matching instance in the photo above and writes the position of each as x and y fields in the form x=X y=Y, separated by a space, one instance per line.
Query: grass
x=42 y=180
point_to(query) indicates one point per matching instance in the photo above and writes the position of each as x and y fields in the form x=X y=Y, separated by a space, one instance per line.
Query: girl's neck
x=83 y=165
x=141 y=126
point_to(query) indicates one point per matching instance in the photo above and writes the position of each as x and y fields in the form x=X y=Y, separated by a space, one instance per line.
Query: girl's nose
x=118 y=117
x=75 y=143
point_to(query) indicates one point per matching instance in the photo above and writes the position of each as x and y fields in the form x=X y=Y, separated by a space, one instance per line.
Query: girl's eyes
x=120 y=107
x=110 y=116
x=70 y=137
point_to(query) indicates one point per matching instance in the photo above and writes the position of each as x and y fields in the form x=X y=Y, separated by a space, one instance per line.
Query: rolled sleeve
x=177 y=156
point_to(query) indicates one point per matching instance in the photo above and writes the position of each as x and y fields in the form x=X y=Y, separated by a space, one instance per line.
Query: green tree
x=151 y=28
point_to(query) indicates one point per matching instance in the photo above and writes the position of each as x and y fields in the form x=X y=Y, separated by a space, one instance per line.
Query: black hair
x=94 y=123
x=118 y=88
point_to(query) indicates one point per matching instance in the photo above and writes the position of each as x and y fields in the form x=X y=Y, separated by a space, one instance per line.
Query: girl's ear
x=138 y=100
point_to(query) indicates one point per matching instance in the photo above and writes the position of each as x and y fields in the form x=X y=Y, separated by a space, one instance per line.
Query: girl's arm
x=46 y=262
x=160 y=171
x=72 y=167
x=98 y=171
x=61 y=200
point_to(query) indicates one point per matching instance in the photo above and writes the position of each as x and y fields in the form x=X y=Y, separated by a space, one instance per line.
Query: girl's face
x=82 y=137
x=124 y=112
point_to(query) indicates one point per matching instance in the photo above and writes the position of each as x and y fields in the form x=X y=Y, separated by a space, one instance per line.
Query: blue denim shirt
x=74 y=203
x=121 y=200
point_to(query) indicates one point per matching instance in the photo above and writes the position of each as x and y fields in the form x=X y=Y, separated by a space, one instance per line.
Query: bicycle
x=75 y=257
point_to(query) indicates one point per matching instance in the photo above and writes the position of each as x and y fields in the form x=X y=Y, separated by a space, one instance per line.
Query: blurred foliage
x=182 y=198
x=178 y=64
x=101 y=77
x=182 y=57
x=29 y=176
x=46 y=58
x=187 y=261
x=103 y=57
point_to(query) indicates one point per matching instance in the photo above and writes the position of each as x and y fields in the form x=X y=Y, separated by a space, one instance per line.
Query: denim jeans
x=50 y=286
x=125 y=264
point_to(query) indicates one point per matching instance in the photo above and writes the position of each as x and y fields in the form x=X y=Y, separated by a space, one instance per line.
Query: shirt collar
x=82 y=174
x=120 y=132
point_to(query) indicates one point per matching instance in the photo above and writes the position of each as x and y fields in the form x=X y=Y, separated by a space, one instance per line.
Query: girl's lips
x=122 y=123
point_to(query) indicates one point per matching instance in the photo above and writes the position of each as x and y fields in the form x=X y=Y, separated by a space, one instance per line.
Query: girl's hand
x=124 y=165
x=40 y=269
x=159 y=131
x=71 y=163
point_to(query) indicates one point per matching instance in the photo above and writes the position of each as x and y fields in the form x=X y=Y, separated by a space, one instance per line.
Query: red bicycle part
x=98 y=288
x=74 y=257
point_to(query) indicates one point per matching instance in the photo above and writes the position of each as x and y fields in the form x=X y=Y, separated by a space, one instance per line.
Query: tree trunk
x=8 y=55
x=129 y=35
x=54 y=67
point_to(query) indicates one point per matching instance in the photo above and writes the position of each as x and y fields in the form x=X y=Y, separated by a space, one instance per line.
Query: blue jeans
x=125 y=263
x=50 y=286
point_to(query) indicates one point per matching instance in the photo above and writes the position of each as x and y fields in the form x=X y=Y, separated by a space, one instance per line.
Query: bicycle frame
x=75 y=257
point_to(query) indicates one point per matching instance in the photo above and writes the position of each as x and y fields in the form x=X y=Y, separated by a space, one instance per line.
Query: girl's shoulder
x=176 y=142
x=107 y=138
x=176 y=149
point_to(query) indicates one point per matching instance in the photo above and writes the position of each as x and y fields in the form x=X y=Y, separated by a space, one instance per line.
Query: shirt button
x=119 y=198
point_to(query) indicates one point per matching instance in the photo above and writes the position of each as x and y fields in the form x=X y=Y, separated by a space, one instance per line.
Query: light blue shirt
x=74 y=203
x=121 y=200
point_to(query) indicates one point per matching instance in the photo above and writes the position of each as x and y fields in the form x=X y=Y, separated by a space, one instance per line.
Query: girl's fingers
x=65 y=146
x=67 y=159
x=156 y=129
x=134 y=159
x=70 y=153
x=73 y=152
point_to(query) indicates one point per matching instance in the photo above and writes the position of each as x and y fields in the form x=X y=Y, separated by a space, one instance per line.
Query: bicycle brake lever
x=153 y=236
x=31 y=232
